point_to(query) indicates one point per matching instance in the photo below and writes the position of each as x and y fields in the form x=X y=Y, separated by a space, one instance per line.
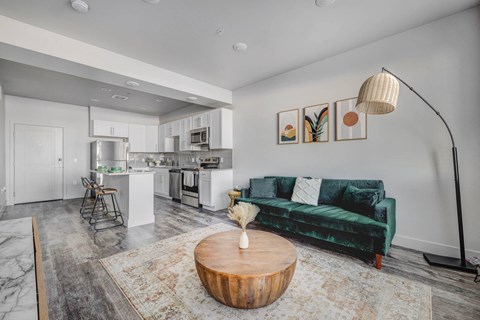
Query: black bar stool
x=87 y=203
x=101 y=213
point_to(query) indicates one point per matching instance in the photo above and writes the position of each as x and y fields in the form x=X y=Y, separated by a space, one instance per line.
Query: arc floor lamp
x=379 y=95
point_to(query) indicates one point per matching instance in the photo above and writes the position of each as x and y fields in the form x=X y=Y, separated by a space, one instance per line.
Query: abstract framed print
x=316 y=123
x=287 y=131
x=349 y=123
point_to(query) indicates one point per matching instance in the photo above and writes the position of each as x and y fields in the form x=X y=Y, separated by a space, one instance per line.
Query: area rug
x=160 y=282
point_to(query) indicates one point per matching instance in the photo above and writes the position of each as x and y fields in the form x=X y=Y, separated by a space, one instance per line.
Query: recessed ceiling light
x=158 y=100
x=192 y=98
x=152 y=1
x=323 y=3
x=119 y=97
x=240 y=46
x=132 y=83
x=94 y=100
x=106 y=89
x=80 y=6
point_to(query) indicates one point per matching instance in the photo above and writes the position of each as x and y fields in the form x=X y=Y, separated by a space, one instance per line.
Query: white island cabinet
x=135 y=196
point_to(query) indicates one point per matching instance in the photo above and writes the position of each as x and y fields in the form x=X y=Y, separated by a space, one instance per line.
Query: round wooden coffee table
x=245 y=278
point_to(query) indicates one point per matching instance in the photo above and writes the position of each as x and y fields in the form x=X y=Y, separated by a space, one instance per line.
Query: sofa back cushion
x=285 y=186
x=263 y=188
x=362 y=201
x=331 y=190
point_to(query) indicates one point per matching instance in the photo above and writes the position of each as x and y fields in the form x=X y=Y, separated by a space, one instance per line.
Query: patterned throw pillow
x=306 y=191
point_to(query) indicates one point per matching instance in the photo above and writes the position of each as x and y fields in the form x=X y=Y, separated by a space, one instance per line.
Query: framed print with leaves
x=316 y=123
x=349 y=123
x=288 y=131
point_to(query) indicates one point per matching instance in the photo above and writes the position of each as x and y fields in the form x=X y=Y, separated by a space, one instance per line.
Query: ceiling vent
x=119 y=97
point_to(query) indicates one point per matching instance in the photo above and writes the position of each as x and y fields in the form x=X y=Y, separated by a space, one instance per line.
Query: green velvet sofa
x=328 y=221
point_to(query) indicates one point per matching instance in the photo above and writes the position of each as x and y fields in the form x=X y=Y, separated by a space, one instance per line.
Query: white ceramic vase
x=243 y=244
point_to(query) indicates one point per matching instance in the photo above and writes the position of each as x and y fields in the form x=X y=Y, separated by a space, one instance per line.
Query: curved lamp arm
x=423 y=99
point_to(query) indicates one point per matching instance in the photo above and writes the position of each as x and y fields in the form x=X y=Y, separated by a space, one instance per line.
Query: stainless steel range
x=190 y=180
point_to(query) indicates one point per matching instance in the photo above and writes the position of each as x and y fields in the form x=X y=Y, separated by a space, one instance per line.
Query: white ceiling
x=180 y=35
x=32 y=82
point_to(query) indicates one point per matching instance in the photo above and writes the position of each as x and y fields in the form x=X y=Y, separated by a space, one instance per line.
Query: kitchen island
x=135 y=195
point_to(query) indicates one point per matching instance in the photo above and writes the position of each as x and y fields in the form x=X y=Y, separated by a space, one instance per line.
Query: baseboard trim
x=431 y=247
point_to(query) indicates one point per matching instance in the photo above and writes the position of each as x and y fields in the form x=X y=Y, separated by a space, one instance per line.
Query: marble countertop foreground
x=18 y=295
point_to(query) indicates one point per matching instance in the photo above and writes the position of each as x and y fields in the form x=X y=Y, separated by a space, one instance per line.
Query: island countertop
x=17 y=264
x=128 y=173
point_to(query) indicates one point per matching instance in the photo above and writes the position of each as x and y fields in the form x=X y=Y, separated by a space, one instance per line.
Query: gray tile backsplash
x=182 y=159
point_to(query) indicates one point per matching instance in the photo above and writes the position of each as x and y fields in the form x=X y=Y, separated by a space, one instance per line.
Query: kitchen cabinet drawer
x=205 y=174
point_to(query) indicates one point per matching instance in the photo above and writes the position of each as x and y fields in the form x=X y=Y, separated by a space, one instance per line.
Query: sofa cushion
x=331 y=190
x=336 y=218
x=284 y=186
x=360 y=201
x=263 y=188
x=306 y=191
x=276 y=206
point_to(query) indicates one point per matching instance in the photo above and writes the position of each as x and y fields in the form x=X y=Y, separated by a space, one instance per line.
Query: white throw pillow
x=307 y=191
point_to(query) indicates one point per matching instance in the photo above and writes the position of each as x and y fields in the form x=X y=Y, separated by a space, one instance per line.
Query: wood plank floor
x=79 y=288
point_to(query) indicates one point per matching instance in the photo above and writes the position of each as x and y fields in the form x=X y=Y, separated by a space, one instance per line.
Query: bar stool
x=102 y=215
x=87 y=203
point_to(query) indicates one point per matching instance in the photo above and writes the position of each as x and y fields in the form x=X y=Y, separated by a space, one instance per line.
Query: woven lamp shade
x=378 y=94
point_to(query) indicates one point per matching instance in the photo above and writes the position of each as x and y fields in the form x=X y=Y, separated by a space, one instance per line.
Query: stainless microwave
x=199 y=136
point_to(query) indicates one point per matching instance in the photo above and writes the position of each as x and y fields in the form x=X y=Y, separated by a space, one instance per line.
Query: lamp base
x=449 y=262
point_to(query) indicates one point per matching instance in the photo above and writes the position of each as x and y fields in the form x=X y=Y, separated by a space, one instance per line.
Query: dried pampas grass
x=243 y=213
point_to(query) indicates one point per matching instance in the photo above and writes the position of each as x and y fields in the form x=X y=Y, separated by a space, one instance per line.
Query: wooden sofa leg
x=378 y=261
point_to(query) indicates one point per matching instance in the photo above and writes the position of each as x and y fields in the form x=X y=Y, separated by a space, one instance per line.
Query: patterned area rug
x=160 y=282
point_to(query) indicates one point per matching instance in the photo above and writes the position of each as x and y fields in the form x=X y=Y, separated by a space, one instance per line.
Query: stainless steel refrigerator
x=109 y=154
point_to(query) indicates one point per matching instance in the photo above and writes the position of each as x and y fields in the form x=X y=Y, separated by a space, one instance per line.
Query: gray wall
x=2 y=150
x=409 y=149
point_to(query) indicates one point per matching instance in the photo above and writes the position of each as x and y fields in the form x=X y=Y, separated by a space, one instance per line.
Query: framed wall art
x=316 y=123
x=287 y=131
x=349 y=123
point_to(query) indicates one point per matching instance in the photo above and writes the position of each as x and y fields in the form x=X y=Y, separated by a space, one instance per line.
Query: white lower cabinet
x=213 y=188
x=161 y=182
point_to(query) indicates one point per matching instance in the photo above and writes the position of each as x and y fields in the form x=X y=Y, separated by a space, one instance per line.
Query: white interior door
x=38 y=163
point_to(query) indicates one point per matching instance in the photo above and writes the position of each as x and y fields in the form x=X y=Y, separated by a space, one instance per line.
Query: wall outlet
x=221 y=159
x=193 y=159
x=4 y=189
x=75 y=182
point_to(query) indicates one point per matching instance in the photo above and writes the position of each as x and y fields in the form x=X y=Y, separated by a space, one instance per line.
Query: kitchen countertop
x=123 y=173
x=17 y=270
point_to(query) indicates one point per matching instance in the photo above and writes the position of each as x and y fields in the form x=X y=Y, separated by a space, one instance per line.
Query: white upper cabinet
x=164 y=144
x=221 y=129
x=137 y=137
x=200 y=120
x=185 y=127
x=172 y=129
x=151 y=140
x=100 y=128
